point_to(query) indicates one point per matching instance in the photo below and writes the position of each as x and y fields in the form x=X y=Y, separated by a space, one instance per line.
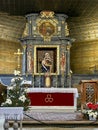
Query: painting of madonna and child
x=46 y=60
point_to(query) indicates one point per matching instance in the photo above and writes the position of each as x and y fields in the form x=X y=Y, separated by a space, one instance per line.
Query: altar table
x=53 y=98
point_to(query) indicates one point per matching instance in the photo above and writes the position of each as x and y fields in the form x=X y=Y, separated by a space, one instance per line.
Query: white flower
x=12 y=80
x=96 y=113
x=20 y=78
x=26 y=90
x=22 y=98
x=2 y=94
x=10 y=88
x=8 y=101
x=16 y=72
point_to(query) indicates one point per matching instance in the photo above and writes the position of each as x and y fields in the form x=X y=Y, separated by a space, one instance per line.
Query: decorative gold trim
x=47 y=14
x=35 y=58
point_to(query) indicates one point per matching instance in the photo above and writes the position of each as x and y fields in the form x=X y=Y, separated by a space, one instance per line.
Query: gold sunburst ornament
x=47 y=14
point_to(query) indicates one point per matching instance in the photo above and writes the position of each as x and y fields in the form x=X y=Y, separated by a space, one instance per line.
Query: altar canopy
x=53 y=98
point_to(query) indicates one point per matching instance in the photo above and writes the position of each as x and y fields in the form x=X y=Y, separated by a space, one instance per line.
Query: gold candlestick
x=56 y=79
x=62 y=79
x=39 y=79
x=47 y=80
x=33 y=79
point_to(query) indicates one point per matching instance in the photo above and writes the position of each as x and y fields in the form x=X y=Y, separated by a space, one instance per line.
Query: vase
x=92 y=118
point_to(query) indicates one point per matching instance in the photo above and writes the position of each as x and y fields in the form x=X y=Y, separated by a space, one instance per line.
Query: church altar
x=53 y=99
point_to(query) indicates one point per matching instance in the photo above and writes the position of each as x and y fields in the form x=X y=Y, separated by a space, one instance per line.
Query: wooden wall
x=84 y=51
x=8 y=60
x=11 y=29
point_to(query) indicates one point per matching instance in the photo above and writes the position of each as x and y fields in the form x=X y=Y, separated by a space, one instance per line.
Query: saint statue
x=30 y=62
x=63 y=63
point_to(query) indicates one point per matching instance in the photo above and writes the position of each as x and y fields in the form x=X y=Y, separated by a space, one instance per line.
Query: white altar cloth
x=53 y=90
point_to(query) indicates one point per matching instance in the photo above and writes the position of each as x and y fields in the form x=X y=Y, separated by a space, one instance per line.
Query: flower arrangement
x=17 y=95
x=91 y=110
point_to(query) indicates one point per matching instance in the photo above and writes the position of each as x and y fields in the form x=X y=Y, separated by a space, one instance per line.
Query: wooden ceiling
x=72 y=8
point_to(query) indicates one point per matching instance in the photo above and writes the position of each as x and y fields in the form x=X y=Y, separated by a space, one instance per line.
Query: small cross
x=18 y=53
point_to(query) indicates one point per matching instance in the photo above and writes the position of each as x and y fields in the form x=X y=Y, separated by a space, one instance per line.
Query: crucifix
x=18 y=53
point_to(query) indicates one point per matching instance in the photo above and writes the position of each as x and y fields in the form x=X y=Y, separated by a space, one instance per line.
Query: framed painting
x=46 y=59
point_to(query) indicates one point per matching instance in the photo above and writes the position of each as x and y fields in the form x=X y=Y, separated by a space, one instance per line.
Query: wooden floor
x=55 y=128
x=62 y=124
x=47 y=123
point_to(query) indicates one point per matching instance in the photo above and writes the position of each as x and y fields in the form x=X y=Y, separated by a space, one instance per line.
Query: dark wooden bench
x=3 y=89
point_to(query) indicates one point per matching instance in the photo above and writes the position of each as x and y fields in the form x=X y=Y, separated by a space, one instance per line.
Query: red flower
x=89 y=105
x=92 y=106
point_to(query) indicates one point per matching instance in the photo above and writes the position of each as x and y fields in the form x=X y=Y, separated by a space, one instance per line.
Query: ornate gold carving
x=47 y=14
x=68 y=47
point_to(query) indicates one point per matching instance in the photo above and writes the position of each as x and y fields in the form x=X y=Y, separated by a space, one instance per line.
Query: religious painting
x=46 y=59
x=46 y=28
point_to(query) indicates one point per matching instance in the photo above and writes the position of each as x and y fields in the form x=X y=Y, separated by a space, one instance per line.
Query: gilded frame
x=39 y=50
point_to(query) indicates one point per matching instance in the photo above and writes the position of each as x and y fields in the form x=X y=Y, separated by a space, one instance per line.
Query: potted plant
x=91 y=111
x=17 y=95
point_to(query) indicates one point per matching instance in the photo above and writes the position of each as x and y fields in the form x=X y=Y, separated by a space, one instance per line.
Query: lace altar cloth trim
x=15 y=113
x=54 y=90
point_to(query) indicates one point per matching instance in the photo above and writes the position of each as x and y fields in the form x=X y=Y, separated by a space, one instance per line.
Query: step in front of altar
x=52 y=108
x=37 y=117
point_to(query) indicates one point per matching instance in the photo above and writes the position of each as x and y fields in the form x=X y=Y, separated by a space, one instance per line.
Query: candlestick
x=33 y=80
x=63 y=79
x=56 y=79
x=39 y=79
